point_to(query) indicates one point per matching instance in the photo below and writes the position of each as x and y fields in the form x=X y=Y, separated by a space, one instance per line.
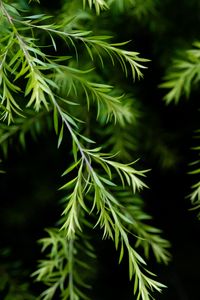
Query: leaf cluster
x=137 y=8
x=181 y=78
x=194 y=196
x=37 y=83
x=63 y=269
x=183 y=74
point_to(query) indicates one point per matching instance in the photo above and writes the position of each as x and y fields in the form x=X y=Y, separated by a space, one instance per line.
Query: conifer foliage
x=182 y=77
x=49 y=77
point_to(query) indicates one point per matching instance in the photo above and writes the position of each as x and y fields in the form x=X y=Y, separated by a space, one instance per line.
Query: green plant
x=182 y=74
x=181 y=79
x=51 y=76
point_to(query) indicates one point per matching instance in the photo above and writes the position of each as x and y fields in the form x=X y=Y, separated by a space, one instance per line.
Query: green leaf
x=60 y=138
